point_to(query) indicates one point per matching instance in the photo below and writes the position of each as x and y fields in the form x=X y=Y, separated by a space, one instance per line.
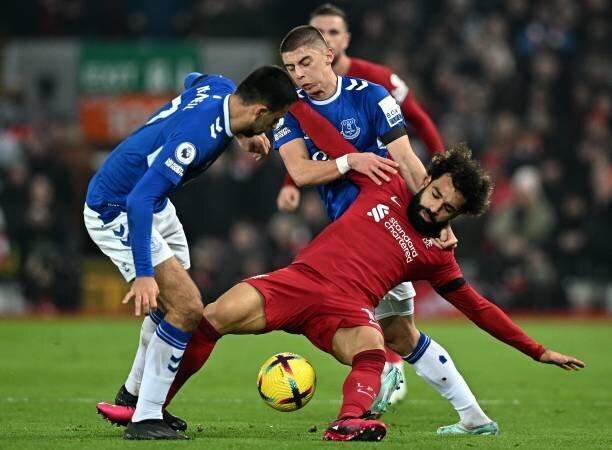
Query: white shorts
x=167 y=239
x=399 y=301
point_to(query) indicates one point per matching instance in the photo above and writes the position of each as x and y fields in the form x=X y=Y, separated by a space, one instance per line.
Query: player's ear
x=260 y=110
x=426 y=181
x=348 y=39
x=329 y=56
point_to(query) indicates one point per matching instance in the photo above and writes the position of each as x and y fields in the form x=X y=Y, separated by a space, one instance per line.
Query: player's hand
x=563 y=361
x=374 y=166
x=288 y=198
x=447 y=239
x=259 y=145
x=145 y=292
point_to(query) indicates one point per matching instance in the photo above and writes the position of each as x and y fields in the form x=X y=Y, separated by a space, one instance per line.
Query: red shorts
x=299 y=300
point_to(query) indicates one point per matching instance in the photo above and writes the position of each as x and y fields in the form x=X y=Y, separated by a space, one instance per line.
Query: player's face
x=435 y=205
x=335 y=33
x=309 y=67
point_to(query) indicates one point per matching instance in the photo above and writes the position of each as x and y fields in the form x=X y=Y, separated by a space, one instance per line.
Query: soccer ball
x=286 y=382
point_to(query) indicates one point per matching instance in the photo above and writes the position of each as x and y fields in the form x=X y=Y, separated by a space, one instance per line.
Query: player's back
x=357 y=111
x=373 y=247
x=197 y=117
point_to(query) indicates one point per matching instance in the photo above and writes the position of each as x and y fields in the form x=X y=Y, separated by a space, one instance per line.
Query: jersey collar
x=333 y=97
x=226 y=116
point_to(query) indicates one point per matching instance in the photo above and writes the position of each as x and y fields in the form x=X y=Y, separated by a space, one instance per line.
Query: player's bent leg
x=433 y=363
x=363 y=348
x=240 y=310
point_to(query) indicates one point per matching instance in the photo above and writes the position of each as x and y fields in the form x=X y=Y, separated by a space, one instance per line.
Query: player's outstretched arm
x=306 y=172
x=561 y=360
x=410 y=166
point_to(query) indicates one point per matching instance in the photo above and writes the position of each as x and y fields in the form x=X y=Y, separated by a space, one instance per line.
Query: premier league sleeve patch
x=391 y=110
x=185 y=153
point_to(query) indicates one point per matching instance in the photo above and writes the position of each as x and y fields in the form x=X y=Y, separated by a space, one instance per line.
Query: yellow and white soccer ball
x=286 y=382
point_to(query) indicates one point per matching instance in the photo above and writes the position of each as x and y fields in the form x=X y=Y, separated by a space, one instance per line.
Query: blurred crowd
x=528 y=84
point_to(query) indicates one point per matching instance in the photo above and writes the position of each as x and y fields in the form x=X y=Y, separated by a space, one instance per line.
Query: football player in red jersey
x=397 y=305
x=383 y=239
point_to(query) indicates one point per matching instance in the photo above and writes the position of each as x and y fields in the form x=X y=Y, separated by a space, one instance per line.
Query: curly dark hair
x=468 y=177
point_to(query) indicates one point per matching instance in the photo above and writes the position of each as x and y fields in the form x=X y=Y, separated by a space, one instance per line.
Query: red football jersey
x=373 y=247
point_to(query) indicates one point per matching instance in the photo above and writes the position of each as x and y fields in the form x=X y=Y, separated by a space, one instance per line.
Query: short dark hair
x=300 y=36
x=468 y=177
x=327 y=9
x=270 y=86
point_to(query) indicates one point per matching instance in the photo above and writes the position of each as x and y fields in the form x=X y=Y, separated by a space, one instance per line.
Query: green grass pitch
x=53 y=373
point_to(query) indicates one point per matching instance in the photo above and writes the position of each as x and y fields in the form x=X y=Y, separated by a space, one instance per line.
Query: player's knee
x=187 y=304
x=402 y=337
x=349 y=342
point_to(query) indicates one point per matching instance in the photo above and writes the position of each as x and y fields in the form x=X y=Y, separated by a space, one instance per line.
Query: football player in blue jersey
x=369 y=118
x=128 y=215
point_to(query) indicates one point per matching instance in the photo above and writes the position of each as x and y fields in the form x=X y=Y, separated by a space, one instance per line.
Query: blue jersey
x=363 y=113
x=178 y=142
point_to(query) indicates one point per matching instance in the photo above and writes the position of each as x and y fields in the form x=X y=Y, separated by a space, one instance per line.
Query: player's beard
x=428 y=229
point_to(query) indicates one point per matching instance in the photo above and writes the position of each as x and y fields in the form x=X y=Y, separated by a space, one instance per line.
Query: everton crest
x=350 y=130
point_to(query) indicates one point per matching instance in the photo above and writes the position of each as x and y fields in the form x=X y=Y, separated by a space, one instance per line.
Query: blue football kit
x=365 y=114
x=177 y=143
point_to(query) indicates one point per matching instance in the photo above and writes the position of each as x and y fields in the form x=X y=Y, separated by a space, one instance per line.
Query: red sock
x=362 y=384
x=198 y=351
x=392 y=357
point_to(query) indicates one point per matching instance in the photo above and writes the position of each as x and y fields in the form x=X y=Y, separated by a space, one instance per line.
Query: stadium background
x=526 y=84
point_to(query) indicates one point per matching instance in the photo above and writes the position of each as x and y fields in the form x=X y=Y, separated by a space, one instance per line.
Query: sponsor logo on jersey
x=172 y=165
x=350 y=130
x=379 y=212
x=402 y=239
x=391 y=110
x=185 y=153
x=319 y=156
x=394 y=200
x=278 y=135
x=428 y=242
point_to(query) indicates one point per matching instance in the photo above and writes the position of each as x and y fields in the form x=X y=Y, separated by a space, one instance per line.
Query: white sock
x=433 y=363
x=149 y=324
x=162 y=360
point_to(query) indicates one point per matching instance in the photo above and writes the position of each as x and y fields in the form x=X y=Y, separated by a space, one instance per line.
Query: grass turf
x=53 y=373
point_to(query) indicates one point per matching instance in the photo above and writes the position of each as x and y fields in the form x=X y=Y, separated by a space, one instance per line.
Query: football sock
x=392 y=357
x=162 y=360
x=433 y=363
x=149 y=324
x=362 y=383
x=198 y=351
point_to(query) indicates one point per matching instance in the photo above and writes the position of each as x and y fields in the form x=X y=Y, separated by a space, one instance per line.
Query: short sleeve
x=286 y=130
x=383 y=110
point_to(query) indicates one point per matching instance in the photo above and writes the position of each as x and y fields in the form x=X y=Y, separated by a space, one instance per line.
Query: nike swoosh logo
x=394 y=199
x=366 y=393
